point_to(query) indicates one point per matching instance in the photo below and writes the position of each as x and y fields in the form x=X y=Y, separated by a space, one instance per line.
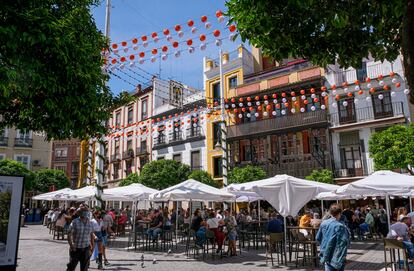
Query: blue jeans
x=410 y=249
x=330 y=268
x=153 y=233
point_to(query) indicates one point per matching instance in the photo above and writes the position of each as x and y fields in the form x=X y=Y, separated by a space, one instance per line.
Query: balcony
x=128 y=154
x=160 y=140
x=175 y=136
x=115 y=157
x=349 y=172
x=194 y=132
x=4 y=141
x=23 y=142
x=141 y=151
x=279 y=124
x=366 y=114
x=350 y=75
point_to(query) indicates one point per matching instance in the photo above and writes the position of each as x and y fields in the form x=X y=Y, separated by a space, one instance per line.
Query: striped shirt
x=81 y=232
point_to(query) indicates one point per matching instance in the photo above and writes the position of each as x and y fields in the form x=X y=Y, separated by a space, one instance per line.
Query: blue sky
x=134 y=18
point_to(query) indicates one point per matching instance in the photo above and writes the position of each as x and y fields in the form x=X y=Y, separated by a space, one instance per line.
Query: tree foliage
x=46 y=178
x=393 y=148
x=50 y=69
x=160 y=174
x=203 y=177
x=130 y=179
x=11 y=167
x=321 y=176
x=246 y=174
x=328 y=31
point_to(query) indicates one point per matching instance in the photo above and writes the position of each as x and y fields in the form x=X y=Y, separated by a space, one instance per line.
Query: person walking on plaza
x=81 y=239
x=333 y=237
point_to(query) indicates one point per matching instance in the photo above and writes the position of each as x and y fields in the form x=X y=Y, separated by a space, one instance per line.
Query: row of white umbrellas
x=285 y=193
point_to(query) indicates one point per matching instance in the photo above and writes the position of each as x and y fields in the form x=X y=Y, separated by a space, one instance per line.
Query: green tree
x=246 y=174
x=11 y=167
x=203 y=177
x=322 y=176
x=328 y=31
x=393 y=148
x=51 y=75
x=45 y=178
x=130 y=179
x=161 y=174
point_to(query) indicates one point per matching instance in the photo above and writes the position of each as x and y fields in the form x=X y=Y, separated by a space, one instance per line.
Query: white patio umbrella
x=242 y=196
x=132 y=192
x=192 y=190
x=54 y=195
x=82 y=194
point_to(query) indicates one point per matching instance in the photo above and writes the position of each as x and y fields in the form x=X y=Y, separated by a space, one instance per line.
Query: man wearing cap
x=401 y=232
x=80 y=239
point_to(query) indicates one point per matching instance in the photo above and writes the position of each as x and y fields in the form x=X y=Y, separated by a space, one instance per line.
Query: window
x=176 y=134
x=216 y=133
x=195 y=160
x=77 y=151
x=2 y=156
x=129 y=144
x=177 y=157
x=116 y=152
x=382 y=107
x=305 y=142
x=218 y=167
x=362 y=72
x=118 y=119
x=3 y=137
x=144 y=109
x=130 y=114
x=75 y=168
x=116 y=170
x=23 y=139
x=351 y=160
x=245 y=150
x=233 y=82
x=160 y=158
x=128 y=166
x=216 y=92
x=61 y=167
x=258 y=149
x=142 y=161
x=23 y=134
x=61 y=152
x=143 y=146
x=24 y=159
x=347 y=113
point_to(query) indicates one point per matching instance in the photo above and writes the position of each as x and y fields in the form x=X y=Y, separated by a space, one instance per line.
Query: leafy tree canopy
x=393 y=148
x=328 y=31
x=11 y=167
x=203 y=177
x=50 y=69
x=45 y=178
x=161 y=174
x=130 y=179
x=322 y=176
x=246 y=174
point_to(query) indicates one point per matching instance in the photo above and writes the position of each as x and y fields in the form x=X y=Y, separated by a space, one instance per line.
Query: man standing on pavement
x=80 y=238
x=333 y=238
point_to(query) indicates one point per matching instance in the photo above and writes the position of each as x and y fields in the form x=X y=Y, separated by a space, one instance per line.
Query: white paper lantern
x=323 y=107
x=345 y=103
x=153 y=59
x=266 y=102
x=164 y=57
x=381 y=83
x=241 y=104
x=191 y=50
x=275 y=101
x=226 y=106
x=303 y=97
x=293 y=110
x=369 y=85
x=334 y=105
x=141 y=61
x=145 y=44
x=313 y=108
x=323 y=93
x=356 y=100
x=220 y=19
x=406 y=91
x=218 y=42
x=257 y=103
x=156 y=39
x=194 y=125
x=122 y=66
x=240 y=116
x=177 y=54
x=294 y=98
x=380 y=96
x=334 y=92
x=125 y=50
x=207 y=25
x=203 y=46
x=249 y=104
x=180 y=34
x=115 y=51
x=283 y=112
x=176 y=129
x=313 y=96
x=232 y=36
x=368 y=98
x=257 y=114
x=284 y=100
x=135 y=47
x=302 y=109
x=132 y=64
x=357 y=88
x=169 y=38
x=248 y=115
x=274 y=113
x=345 y=90
x=394 y=80
x=264 y=114
x=393 y=94
x=194 y=30
x=233 y=105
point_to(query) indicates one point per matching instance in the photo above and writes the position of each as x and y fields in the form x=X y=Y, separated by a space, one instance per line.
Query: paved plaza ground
x=39 y=252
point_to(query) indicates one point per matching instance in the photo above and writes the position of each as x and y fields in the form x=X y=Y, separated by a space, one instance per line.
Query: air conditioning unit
x=36 y=163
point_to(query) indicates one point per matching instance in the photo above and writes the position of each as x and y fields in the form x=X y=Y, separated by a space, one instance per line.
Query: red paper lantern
x=204 y=18
x=386 y=87
x=372 y=90
x=326 y=98
x=166 y=32
x=312 y=90
x=219 y=13
x=175 y=44
x=367 y=79
x=398 y=84
x=349 y=94
x=177 y=27
x=305 y=101
x=274 y=95
x=226 y=100
x=215 y=103
x=380 y=77
x=141 y=54
x=114 y=46
x=176 y=114
x=283 y=94
x=164 y=117
x=158 y=119
x=233 y=100
x=337 y=97
x=190 y=23
x=241 y=100
x=296 y=103
x=144 y=38
x=251 y=108
x=293 y=94
x=333 y=87
x=249 y=99
x=278 y=106
x=257 y=98
x=232 y=28
x=124 y=43
x=134 y=40
x=323 y=88
x=361 y=92
x=170 y=116
x=165 y=48
x=154 y=34
x=189 y=42
x=268 y=107
x=235 y=110
x=243 y=109
x=345 y=84
x=265 y=97
x=259 y=108
x=202 y=37
x=123 y=59
x=315 y=100
x=154 y=51
x=216 y=33
x=131 y=57
x=302 y=92
x=286 y=104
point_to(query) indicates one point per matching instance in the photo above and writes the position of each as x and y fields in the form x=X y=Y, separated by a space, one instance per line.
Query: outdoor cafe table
x=309 y=239
x=255 y=228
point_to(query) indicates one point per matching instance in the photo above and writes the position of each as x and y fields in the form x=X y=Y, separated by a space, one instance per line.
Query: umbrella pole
x=189 y=228
x=134 y=214
x=322 y=210
x=388 y=206
x=258 y=210
x=176 y=221
x=285 y=224
x=411 y=204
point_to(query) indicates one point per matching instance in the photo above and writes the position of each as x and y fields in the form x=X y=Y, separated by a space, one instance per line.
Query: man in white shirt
x=401 y=232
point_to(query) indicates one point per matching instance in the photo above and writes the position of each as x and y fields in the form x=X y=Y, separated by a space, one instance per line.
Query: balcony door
x=382 y=107
x=351 y=154
x=346 y=113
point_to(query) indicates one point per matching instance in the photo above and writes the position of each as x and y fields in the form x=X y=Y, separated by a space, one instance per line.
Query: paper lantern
x=236 y=110
x=189 y=42
x=233 y=100
x=114 y=46
x=154 y=34
x=135 y=47
x=190 y=23
x=166 y=32
x=219 y=13
x=398 y=84
x=177 y=27
x=315 y=100
x=367 y=80
x=323 y=88
x=357 y=88
x=372 y=90
x=303 y=97
x=345 y=103
x=312 y=90
x=194 y=30
x=113 y=61
x=333 y=87
x=134 y=40
x=293 y=94
x=406 y=91
x=287 y=104
x=123 y=59
x=216 y=33
x=164 y=57
x=302 y=91
x=259 y=108
x=154 y=51
x=144 y=38
x=360 y=92
x=145 y=44
x=204 y=18
x=131 y=57
x=265 y=97
x=175 y=44
x=202 y=37
x=180 y=34
x=380 y=96
x=345 y=84
x=132 y=64
x=141 y=61
x=349 y=94
x=337 y=97
x=218 y=42
x=169 y=38
x=165 y=49
x=274 y=95
x=268 y=107
x=392 y=74
x=385 y=87
x=232 y=28
x=177 y=54
x=393 y=94
x=380 y=77
x=305 y=102
x=202 y=46
x=394 y=80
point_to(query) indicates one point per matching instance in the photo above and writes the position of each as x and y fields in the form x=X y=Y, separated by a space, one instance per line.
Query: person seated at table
x=401 y=232
x=275 y=225
x=290 y=221
x=213 y=224
x=155 y=225
x=201 y=235
x=231 y=226
x=305 y=220
x=315 y=221
x=122 y=220
x=61 y=221
x=196 y=222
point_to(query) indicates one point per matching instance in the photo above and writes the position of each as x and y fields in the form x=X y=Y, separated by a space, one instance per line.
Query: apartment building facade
x=65 y=156
x=28 y=147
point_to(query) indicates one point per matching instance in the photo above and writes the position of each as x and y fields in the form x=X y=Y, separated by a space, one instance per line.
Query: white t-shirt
x=97 y=226
x=213 y=223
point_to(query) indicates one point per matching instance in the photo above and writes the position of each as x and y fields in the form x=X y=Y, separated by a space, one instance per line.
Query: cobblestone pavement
x=39 y=252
